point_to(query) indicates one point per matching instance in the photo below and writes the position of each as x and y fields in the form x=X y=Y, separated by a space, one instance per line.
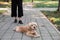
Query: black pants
x=14 y=5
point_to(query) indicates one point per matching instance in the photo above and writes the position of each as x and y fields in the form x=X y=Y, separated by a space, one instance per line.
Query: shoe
x=20 y=22
x=15 y=21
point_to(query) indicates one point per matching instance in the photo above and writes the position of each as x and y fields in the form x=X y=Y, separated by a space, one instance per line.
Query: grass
x=4 y=4
x=2 y=11
x=54 y=17
x=46 y=4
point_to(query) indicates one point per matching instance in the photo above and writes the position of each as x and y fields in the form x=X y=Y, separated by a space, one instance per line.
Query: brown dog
x=29 y=29
x=29 y=26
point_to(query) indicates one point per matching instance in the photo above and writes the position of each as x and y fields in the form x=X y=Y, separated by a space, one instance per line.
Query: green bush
x=2 y=11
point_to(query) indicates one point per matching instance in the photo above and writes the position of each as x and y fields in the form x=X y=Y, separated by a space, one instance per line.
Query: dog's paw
x=37 y=36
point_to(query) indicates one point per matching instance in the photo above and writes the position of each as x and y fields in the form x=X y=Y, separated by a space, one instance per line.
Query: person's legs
x=14 y=10
x=20 y=11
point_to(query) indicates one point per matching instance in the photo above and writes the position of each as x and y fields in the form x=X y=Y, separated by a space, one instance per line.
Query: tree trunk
x=58 y=6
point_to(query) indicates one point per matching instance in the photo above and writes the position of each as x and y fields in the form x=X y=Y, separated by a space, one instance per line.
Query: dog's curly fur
x=29 y=29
